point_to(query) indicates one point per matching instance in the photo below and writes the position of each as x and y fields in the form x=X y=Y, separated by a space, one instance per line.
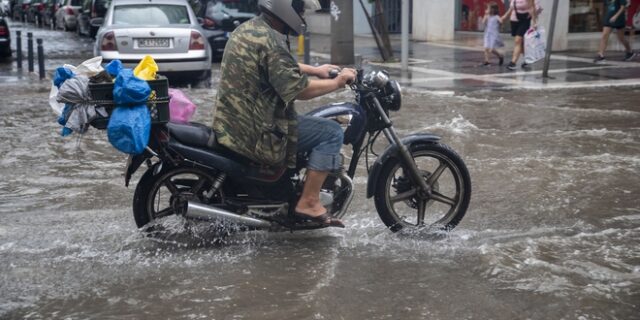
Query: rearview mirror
x=96 y=22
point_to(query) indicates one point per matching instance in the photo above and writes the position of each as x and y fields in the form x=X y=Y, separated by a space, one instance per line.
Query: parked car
x=168 y=30
x=20 y=10
x=221 y=17
x=91 y=9
x=5 y=37
x=67 y=14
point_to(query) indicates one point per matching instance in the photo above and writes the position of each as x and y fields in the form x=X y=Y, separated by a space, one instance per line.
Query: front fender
x=392 y=151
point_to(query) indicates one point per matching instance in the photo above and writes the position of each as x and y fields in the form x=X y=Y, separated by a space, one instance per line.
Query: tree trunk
x=383 y=28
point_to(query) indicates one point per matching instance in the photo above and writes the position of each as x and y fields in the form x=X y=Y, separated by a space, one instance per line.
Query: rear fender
x=392 y=151
x=133 y=163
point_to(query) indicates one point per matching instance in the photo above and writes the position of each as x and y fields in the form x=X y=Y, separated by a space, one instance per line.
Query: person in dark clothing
x=614 y=18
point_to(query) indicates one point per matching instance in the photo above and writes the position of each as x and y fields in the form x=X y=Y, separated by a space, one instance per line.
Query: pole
x=307 y=46
x=30 y=51
x=19 y=49
x=342 y=49
x=40 y=58
x=552 y=27
x=405 y=35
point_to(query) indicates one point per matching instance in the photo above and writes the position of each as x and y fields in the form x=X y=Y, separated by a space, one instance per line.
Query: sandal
x=324 y=219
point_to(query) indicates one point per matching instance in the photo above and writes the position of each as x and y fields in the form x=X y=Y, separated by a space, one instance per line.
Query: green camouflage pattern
x=259 y=81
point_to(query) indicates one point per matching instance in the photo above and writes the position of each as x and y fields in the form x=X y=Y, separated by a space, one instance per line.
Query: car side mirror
x=96 y=22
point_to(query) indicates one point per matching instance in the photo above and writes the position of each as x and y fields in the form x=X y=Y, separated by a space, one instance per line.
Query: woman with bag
x=614 y=18
x=524 y=12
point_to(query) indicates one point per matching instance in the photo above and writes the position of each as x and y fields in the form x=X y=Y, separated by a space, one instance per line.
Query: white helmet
x=289 y=11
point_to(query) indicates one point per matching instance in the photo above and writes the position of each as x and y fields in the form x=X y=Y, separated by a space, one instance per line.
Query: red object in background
x=473 y=12
x=634 y=6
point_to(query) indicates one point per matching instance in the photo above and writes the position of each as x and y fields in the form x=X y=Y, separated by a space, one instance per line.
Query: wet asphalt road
x=552 y=231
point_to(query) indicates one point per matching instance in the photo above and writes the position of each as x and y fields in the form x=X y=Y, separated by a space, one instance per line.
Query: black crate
x=158 y=103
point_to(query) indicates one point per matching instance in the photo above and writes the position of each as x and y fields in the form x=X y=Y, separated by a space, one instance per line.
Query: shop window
x=472 y=12
x=585 y=15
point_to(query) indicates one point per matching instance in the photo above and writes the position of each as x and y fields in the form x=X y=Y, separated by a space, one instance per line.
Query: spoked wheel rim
x=170 y=193
x=412 y=209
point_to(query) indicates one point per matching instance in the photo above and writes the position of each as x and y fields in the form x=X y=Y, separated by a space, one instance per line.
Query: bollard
x=40 y=58
x=307 y=46
x=30 y=50
x=19 y=49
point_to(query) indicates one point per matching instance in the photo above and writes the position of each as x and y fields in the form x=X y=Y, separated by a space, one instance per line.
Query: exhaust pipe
x=204 y=212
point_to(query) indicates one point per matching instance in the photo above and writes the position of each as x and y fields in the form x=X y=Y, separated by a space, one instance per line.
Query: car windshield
x=150 y=14
x=250 y=6
x=76 y=3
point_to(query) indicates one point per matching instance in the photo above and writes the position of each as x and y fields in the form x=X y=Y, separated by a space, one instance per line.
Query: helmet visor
x=300 y=6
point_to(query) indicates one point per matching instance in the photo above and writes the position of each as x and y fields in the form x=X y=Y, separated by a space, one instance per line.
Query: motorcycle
x=416 y=182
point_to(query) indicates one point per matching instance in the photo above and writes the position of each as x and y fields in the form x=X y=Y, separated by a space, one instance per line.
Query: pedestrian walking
x=633 y=20
x=492 y=39
x=524 y=15
x=614 y=18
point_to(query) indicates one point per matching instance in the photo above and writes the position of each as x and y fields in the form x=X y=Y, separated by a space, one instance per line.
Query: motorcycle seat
x=193 y=134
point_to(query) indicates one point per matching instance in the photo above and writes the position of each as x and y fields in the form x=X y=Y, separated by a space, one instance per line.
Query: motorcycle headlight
x=392 y=96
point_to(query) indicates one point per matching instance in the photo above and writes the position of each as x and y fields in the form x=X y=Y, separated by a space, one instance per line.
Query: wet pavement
x=552 y=231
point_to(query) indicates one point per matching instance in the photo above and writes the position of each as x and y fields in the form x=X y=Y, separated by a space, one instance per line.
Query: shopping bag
x=180 y=107
x=535 y=45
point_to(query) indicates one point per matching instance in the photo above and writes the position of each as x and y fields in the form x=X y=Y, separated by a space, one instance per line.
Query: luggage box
x=158 y=103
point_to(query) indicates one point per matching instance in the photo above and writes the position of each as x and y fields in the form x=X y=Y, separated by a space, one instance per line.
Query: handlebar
x=334 y=74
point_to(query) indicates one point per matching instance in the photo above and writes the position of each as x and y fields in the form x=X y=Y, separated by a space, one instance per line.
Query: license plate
x=153 y=43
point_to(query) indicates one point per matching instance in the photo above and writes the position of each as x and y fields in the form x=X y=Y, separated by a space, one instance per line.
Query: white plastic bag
x=53 y=102
x=87 y=68
x=535 y=45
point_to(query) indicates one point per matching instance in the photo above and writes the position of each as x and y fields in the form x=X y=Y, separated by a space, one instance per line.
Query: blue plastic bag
x=114 y=67
x=61 y=75
x=129 y=126
x=129 y=89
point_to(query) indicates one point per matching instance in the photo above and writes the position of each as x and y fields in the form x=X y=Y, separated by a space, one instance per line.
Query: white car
x=67 y=14
x=167 y=30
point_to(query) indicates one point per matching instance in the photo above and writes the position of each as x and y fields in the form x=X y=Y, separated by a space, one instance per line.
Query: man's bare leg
x=309 y=202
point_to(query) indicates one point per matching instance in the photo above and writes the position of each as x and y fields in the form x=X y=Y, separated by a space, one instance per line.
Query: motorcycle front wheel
x=400 y=204
x=164 y=194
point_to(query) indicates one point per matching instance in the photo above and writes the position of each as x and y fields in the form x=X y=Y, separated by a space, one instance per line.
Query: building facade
x=434 y=20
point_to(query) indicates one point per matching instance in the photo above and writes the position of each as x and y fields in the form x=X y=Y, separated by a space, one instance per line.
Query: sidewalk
x=456 y=64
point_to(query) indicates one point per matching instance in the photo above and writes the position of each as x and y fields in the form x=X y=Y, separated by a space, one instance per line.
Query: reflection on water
x=552 y=230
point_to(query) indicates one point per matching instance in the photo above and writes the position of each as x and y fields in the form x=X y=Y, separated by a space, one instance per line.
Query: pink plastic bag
x=181 y=109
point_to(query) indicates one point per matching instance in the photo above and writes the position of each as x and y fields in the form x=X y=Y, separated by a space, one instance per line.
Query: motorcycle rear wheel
x=166 y=193
x=398 y=203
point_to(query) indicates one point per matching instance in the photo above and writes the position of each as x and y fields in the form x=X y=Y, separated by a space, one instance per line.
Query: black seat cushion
x=193 y=134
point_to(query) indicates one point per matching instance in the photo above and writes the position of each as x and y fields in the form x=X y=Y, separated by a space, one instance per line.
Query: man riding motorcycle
x=255 y=115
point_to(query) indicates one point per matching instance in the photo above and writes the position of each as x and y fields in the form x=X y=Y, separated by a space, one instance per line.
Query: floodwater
x=552 y=232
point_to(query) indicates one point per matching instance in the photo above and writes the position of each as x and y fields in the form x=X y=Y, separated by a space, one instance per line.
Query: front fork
x=424 y=191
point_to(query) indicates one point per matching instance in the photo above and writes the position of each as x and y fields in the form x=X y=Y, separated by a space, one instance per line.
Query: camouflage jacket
x=259 y=80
